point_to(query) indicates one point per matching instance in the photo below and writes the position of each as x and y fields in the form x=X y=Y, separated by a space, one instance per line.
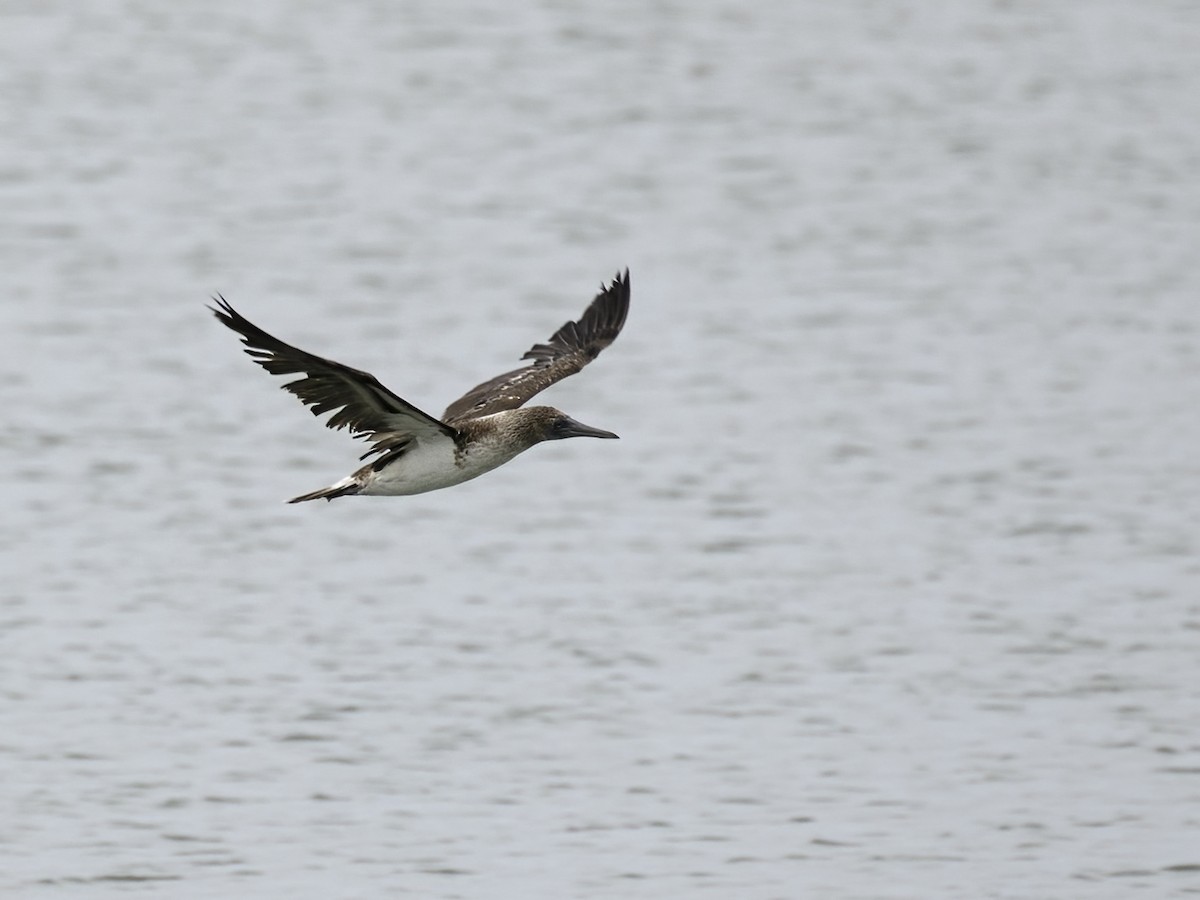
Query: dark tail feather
x=328 y=493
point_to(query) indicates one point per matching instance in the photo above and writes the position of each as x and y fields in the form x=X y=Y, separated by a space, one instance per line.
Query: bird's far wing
x=569 y=349
x=357 y=399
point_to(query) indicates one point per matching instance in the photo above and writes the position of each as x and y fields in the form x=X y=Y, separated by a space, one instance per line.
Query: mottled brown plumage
x=569 y=349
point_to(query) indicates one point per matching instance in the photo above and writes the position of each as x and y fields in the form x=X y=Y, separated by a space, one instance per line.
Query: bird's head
x=551 y=424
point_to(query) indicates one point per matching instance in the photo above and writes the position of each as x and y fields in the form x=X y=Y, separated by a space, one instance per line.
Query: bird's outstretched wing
x=357 y=399
x=569 y=349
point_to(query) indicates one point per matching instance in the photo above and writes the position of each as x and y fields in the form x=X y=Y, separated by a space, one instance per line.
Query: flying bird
x=483 y=429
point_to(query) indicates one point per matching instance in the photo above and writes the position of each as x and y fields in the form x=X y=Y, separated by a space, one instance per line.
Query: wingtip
x=222 y=310
x=616 y=297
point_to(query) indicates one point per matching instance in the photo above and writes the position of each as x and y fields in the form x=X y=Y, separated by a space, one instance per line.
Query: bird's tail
x=344 y=488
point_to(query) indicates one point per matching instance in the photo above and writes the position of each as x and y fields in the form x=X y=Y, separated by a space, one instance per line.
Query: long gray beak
x=569 y=428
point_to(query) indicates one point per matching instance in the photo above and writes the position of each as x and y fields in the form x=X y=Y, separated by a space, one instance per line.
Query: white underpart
x=430 y=465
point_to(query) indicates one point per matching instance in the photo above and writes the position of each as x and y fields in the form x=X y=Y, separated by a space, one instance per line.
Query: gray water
x=889 y=590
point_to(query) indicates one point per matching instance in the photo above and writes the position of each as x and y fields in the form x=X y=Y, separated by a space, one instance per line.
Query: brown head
x=545 y=423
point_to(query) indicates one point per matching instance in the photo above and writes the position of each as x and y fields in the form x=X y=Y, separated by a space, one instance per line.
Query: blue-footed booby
x=481 y=430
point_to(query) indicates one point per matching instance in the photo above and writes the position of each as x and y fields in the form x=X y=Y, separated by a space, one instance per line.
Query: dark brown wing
x=357 y=399
x=569 y=349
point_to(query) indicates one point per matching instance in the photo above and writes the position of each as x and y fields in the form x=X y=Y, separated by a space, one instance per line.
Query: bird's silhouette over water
x=481 y=430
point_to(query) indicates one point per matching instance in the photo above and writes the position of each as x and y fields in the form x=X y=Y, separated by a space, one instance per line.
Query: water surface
x=888 y=591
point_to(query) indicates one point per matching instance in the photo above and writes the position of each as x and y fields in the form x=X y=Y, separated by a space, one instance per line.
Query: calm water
x=890 y=590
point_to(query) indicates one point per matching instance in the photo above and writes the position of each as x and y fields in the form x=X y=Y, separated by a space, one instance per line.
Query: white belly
x=424 y=468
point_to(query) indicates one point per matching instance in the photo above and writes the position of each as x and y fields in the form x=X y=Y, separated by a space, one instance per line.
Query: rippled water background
x=890 y=590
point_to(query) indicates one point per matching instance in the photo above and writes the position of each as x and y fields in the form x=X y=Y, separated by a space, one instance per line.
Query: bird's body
x=430 y=465
x=482 y=430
